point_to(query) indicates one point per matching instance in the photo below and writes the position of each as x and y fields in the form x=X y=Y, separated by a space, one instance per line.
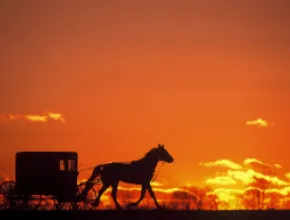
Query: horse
x=138 y=172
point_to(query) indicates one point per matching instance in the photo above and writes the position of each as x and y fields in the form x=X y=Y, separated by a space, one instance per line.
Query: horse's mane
x=152 y=150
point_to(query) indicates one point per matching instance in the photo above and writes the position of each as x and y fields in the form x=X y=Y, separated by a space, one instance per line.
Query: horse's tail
x=90 y=182
x=97 y=171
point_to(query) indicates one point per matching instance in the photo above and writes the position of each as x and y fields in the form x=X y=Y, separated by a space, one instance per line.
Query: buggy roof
x=47 y=154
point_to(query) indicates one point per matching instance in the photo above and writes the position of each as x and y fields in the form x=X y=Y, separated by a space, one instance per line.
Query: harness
x=162 y=163
x=89 y=168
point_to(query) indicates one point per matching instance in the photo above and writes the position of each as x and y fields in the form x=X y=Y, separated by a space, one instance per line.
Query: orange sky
x=127 y=76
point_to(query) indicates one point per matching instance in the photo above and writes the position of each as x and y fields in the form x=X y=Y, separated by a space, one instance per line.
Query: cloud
x=249 y=176
x=36 y=118
x=227 y=194
x=258 y=122
x=287 y=175
x=44 y=117
x=282 y=191
x=160 y=190
x=244 y=176
x=56 y=117
x=228 y=190
x=221 y=180
x=257 y=164
x=223 y=163
x=155 y=183
x=254 y=179
x=277 y=166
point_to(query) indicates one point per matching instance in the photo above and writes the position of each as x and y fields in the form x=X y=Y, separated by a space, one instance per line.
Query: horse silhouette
x=136 y=172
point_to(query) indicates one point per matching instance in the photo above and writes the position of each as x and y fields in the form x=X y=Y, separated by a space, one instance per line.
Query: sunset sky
x=112 y=79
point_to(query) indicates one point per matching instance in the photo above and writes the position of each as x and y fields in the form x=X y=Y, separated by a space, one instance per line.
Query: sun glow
x=238 y=189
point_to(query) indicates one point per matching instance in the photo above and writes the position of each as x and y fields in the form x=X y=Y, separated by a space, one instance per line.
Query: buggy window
x=61 y=165
x=67 y=165
x=71 y=165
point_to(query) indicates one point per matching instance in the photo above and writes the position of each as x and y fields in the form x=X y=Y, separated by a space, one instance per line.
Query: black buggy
x=45 y=180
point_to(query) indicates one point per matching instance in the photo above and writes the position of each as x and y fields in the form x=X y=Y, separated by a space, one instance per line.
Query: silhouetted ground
x=148 y=215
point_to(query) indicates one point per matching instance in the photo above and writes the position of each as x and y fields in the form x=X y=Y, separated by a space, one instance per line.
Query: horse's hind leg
x=114 y=195
x=101 y=191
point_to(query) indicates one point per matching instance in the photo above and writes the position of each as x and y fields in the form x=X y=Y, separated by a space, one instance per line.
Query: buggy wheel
x=30 y=203
x=7 y=200
x=65 y=205
x=85 y=204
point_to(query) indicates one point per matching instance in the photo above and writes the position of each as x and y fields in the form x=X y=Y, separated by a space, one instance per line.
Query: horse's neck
x=148 y=163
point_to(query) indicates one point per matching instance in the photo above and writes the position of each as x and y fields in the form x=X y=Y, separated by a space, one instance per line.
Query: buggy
x=45 y=179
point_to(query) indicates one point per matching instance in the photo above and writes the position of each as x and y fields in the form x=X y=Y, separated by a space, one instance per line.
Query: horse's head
x=163 y=154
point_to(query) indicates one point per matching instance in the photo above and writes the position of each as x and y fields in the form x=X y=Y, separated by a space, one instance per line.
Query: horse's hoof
x=128 y=206
x=119 y=208
x=160 y=208
x=131 y=206
x=94 y=204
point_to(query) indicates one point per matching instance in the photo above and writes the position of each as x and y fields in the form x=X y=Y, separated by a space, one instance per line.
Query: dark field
x=148 y=214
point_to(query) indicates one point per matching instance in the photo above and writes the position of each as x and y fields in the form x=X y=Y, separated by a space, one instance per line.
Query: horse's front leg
x=153 y=196
x=143 y=191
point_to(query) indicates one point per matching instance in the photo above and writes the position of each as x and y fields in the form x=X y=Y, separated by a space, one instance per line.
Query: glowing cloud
x=282 y=191
x=277 y=166
x=36 y=118
x=258 y=122
x=245 y=177
x=45 y=117
x=258 y=164
x=56 y=116
x=224 y=163
x=221 y=180
x=248 y=176
x=227 y=194
x=155 y=183
x=156 y=190
x=287 y=175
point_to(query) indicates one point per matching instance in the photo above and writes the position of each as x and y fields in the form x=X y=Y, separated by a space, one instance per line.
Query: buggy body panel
x=46 y=173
